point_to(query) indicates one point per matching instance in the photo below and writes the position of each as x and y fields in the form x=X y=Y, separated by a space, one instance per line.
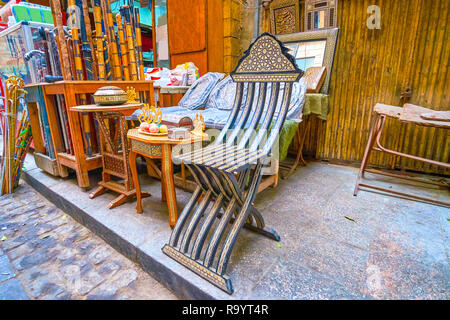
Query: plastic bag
x=160 y=76
x=184 y=74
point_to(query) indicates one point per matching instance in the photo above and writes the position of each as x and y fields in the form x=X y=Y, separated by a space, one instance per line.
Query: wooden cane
x=80 y=76
x=109 y=26
x=64 y=56
x=69 y=44
x=76 y=42
x=99 y=40
x=130 y=40
x=86 y=26
x=137 y=27
x=123 y=48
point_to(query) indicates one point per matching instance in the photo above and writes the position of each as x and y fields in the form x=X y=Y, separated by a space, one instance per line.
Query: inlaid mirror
x=313 y=49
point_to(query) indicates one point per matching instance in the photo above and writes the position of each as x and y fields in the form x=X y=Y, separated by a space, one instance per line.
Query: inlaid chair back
x=228 y=172
x=266 y=64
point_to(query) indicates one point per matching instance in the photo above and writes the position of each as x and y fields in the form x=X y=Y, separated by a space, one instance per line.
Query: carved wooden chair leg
x=97 y=192
x=121 y=199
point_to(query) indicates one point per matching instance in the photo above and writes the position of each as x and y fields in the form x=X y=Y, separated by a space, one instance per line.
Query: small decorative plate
x=152 y=134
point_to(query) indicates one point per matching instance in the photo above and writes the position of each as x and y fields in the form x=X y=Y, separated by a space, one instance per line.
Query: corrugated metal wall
x=411 y=49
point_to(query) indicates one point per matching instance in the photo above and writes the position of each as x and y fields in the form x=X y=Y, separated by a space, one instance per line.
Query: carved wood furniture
x=80 y=161
x=408 y=114
x=228 y=172
x=114 y=149
x=157 y=147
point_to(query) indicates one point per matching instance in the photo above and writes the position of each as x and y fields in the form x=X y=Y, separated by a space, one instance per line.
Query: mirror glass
x=319 y=19
x=308 y=53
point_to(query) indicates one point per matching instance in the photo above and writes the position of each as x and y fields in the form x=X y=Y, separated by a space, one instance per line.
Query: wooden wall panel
x=232 y=20
x=187 y=32
x=411 y=49
x=196 y=30
x=215 y=32
x=187 y=21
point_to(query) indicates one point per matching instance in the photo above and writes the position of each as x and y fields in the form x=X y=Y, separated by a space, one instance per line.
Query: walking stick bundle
x=123 y=47
x=99 y=40
x=80 y=74
x=117 y=71
x=125 y=12
x=85 y=45
x=14 y=147
x=62 y=46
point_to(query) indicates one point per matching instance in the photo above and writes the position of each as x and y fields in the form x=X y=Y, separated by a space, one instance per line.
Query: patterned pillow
x=222 y=96
x=198 y=93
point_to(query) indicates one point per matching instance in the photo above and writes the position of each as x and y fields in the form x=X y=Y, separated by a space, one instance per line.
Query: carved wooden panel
x=285 y=16
x=320 y=14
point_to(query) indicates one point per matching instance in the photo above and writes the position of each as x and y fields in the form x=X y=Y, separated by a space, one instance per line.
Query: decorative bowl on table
x=153 y=129
x=110 y=95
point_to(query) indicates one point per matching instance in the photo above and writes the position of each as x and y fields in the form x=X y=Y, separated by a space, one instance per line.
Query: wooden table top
x=126 y=109
x=135 y=135
x=172 y=89
x=388 y=110
x=413 y=114
x=83 y=82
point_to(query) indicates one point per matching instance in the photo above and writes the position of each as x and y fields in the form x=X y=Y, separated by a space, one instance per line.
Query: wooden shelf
x=79 y=160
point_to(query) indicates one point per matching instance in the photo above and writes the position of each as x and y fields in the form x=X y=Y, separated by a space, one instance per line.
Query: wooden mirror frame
x=330 y=35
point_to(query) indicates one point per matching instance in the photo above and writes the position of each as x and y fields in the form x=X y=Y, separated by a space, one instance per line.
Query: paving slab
x=12 y=290
x=333 y=245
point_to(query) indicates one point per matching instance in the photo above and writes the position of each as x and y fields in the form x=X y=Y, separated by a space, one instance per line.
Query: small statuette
x=199 y=126
x=150 y=114
x=131 y=95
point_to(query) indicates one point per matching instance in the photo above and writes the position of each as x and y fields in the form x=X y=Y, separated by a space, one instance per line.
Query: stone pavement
x=45 y=254
x=333 y=245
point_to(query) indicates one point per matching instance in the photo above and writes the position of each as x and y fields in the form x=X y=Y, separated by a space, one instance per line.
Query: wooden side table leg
x=121 y=199
x=183 y=175
x=163 y=192
x=134 y=175
x=168 y=181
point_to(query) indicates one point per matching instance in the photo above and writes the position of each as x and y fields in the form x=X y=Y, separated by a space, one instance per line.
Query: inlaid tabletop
x=126 y=109
x=135 y=135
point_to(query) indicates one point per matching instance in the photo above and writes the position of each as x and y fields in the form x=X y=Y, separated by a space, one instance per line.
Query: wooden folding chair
x=228 y=172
